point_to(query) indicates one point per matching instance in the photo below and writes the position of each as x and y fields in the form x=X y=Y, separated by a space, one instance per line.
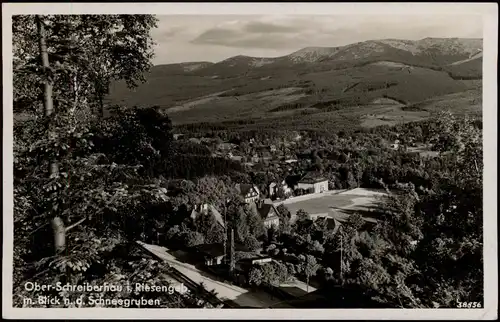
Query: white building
x=315 y=182
x=249 y=192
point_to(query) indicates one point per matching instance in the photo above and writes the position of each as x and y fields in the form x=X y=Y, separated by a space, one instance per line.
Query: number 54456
x=468 y=305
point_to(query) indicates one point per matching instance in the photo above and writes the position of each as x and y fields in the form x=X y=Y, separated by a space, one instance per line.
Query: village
x=225 y=269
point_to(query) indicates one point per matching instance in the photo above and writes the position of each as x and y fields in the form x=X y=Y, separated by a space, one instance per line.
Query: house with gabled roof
x=313 y=181
x=269 y=214
x=204 y=209
x=249 y=192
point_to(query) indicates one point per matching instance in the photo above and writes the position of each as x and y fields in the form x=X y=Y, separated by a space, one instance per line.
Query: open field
x=423 y=151
x=391 y=115
x=340 y=205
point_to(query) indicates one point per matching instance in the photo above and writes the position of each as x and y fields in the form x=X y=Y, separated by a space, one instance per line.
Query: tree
x=430 y=240
x=255 y=276
x=172 y=233
x=281 y=271
x=194 y=238
x=315 y=247
x=207 y=225
x=88 y=52
x=57 y=223
x=254 y=221
x=96 y=203
x=452 y=221
x=283 y=212
x=291 y=269
x=272 y=235
x=237 y=221
x=251 y=243
x=302 y=215
x=351 y=181
x=284 y=215
x=269 y=274
x=356 y=221
x=52 y=40
x=310 y=268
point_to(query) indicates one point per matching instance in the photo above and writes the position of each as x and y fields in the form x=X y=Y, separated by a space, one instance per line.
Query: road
x=224 y=291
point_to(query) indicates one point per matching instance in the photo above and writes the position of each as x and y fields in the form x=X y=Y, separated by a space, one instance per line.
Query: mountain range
x=367 y=81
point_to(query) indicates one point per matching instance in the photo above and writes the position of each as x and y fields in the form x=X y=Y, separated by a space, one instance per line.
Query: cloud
x=231 y=38
x=262 y=27
x=214 y=38
x=170 y=33
x=300 y=31
x=250 y=34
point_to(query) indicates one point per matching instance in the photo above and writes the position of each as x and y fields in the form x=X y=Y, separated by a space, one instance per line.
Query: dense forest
x=86 y=186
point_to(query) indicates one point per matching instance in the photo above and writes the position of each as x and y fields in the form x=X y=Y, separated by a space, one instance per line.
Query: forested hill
x=315 y=83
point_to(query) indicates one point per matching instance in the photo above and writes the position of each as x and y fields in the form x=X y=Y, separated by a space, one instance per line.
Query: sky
x=191 y=38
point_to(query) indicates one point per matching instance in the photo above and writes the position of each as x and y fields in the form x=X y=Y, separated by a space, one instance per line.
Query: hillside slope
x=313 y=80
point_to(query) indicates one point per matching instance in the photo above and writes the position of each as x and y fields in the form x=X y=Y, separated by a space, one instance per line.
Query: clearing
x=391 y=115
x=339 y=205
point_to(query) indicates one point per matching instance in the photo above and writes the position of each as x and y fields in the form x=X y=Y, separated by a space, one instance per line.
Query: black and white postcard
x=296 y=160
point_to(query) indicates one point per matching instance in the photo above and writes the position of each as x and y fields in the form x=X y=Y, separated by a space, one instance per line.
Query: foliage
x=194 y=238
x=302 y=215
x=86 y=52
x=251 y=243
x=100 y=192
x=255 y=276
x=273 y=273
x=209 y=228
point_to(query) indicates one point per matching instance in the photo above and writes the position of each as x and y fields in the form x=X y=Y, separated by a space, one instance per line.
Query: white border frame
x=489 y=11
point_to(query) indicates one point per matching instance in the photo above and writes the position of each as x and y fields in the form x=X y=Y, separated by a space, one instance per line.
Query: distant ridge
x=310 y=84
x=448 y=46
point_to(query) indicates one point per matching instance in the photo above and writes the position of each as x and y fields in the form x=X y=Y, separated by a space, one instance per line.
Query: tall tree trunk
x=57 y=223
x=44 y=56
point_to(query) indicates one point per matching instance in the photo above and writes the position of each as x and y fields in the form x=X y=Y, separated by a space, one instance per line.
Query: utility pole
x=225 y=233
x=231 y=263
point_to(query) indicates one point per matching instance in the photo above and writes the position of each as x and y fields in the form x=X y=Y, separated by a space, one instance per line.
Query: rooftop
x=265 y=208
x=244 y=188
x=217 y=249
x=312 y=177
